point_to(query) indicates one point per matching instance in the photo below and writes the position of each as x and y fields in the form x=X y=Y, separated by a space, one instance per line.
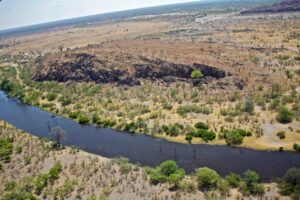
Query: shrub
x=6 y=85
x=284 y=116
x=157 y=177
x=223 y=186
x=167 y=106
x=281 y=135
x=233 y=179
x=233 y=137
x=167 y=171
x=189 y=138
x=290 y=184
x=249 y=106
x=168 y=167
x=83 y=119
x=251 y=184
x=196 y=74
x=201 y=125
x=51 y=96
x=55 y=171
x=205 y=135
x=188 y=185
x=296 y=147
x=74 y=115
x=40 y=183
x=207 y=178
x=6 y=149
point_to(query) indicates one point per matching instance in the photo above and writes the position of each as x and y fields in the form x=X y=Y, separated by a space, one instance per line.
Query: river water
x=144 y=149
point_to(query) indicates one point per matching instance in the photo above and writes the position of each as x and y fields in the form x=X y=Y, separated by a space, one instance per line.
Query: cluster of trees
x=206 y=179
x=134 y=126
x=13 y=89
x=202 y=132
x=168 y=171
x=235 y=137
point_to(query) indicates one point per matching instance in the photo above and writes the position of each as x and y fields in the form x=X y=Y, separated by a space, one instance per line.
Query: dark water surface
x=144 y=149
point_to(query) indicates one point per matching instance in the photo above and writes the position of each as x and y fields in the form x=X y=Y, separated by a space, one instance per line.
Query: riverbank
x=88 y=176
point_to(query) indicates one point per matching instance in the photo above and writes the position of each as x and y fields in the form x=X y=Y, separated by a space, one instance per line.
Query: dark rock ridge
x=284 y=6
x=88 y=68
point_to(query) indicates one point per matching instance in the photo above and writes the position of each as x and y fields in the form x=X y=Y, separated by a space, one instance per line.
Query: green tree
x=207 y=178
x=168 y=167
x=196 y=74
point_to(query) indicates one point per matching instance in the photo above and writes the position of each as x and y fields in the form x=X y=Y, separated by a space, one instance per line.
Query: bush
x=188 y=185
x=296 y=147
x=284 y=116
x=196 y=74
x=205 y=135
x=6 y=86
x=51 y=96
x=157 y=177
x=223 y=186
x=251 y=184
x=233 y=137
x=281 y=135
x=6 y=149
x=201 y=125
x=40 y=183
x=249 y=106
x=20 y=191
x=74 y=115
x=233 y=179
x=290 y=184
x=167 y=171
x=167 y=106
x=207 y=178
x=83 y=119
x=55 y=171
x=168 y=167
x=189 y=138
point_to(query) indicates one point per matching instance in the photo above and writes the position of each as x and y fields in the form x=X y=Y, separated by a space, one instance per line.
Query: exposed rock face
x=284 y=6
x=88 y=68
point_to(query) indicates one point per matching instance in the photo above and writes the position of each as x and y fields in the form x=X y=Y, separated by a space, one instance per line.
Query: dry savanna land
x=196 y=76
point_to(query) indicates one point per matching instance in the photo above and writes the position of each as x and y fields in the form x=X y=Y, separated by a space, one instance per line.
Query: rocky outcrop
x=88 y=68
x=284 y=6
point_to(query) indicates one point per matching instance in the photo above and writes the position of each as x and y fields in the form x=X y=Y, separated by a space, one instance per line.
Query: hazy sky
x=15 y=13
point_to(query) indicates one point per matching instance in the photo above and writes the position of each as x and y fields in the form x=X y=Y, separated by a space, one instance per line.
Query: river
x=144 y=149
